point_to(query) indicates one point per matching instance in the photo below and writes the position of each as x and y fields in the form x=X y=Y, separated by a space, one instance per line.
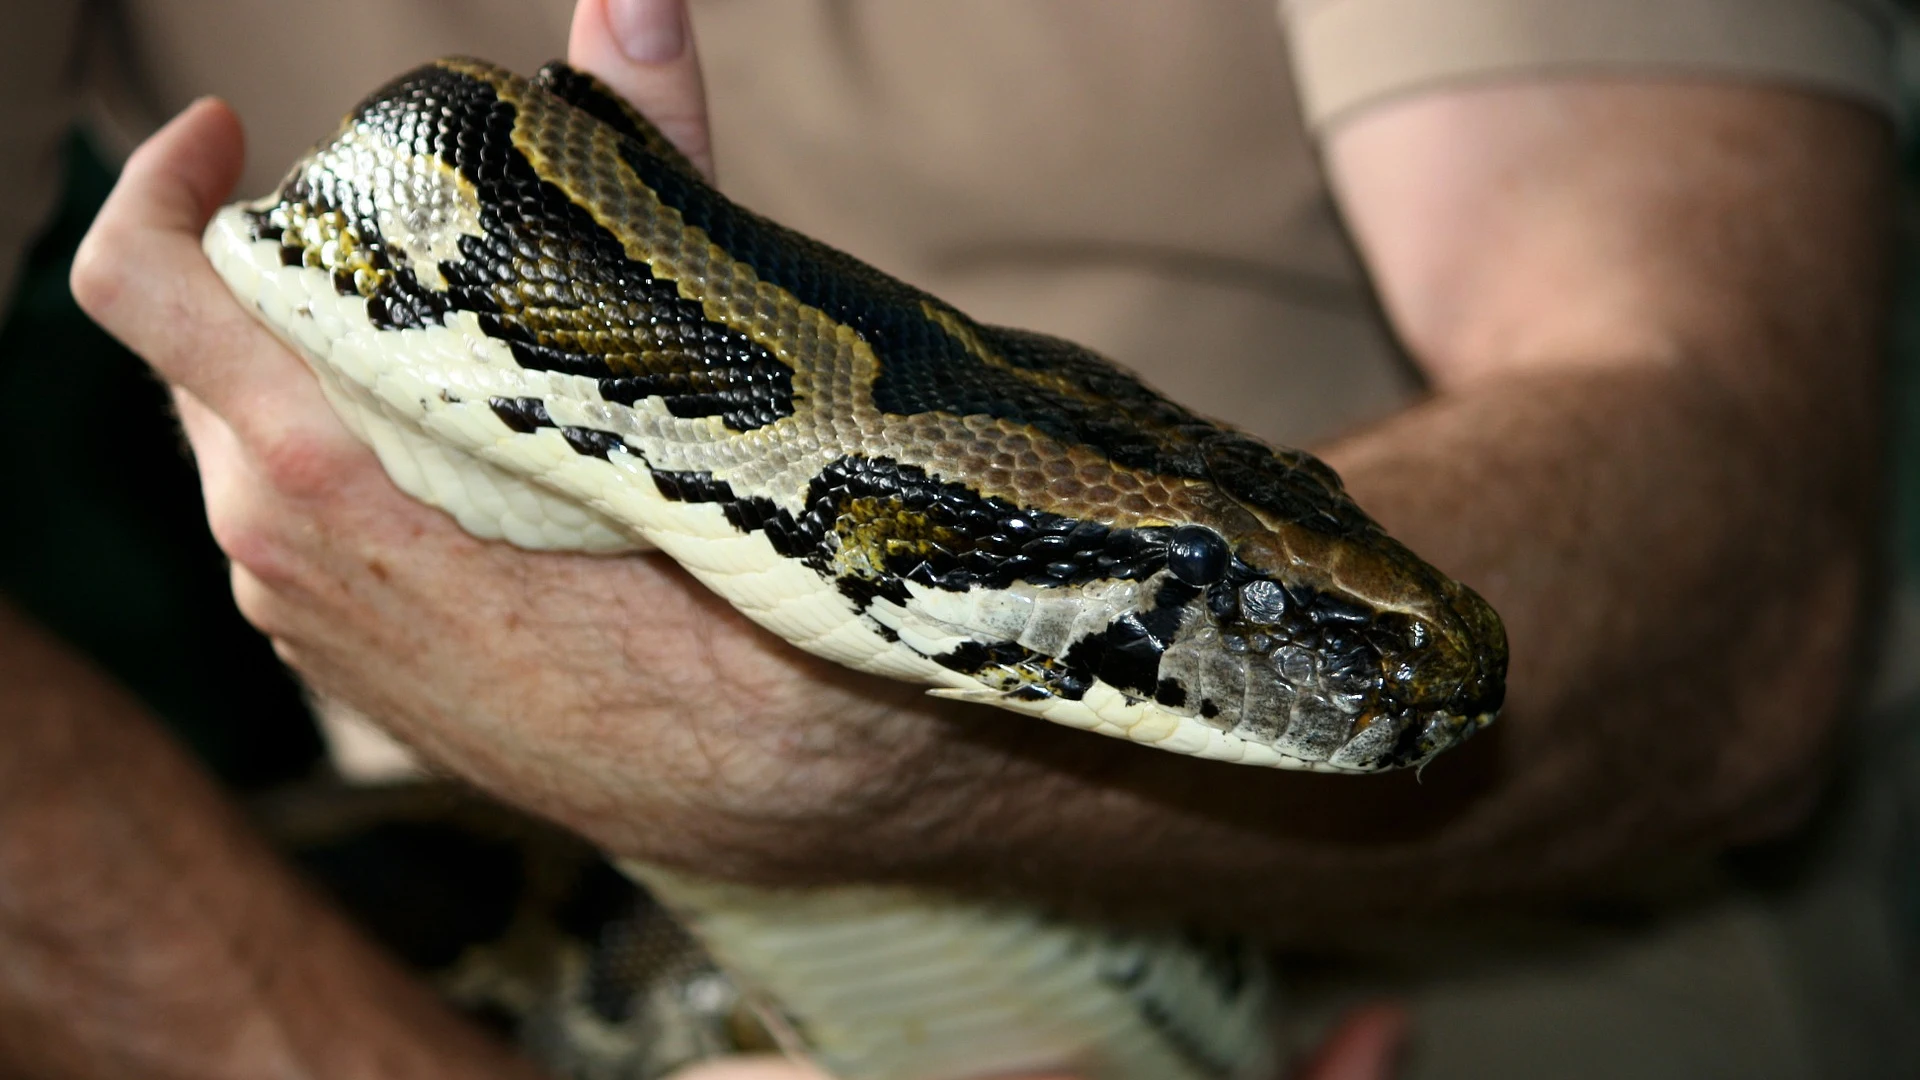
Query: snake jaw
x=1355 y=652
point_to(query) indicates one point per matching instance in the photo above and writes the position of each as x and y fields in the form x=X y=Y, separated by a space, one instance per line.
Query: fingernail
x=648 y=31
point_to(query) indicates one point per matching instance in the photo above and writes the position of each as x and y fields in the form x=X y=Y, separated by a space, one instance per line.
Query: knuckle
x=260 y=553
x=257 y=601
x=298 y=465
x=98 y=276
x=288 y=652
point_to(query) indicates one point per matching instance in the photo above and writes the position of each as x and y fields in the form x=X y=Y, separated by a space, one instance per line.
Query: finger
x=212 y=440
x=141 y=275
x=644 y=50
x=198 y=424
x=1366 y=1045
x=247 y=525
x=199 y=154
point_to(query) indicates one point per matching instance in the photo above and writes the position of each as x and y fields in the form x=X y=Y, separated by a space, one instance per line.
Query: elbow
x=1801 y=680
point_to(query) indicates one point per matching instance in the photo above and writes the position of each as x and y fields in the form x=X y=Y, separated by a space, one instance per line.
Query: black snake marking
x=547 y=323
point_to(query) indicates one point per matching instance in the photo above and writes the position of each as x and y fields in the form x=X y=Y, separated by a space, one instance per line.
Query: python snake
x=546 y=323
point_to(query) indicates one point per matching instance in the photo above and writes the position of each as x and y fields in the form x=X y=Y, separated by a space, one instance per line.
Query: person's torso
x=1129 y=174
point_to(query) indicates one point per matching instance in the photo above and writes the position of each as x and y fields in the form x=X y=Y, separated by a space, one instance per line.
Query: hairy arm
x=144 y=932
x=1651 y=315
x=1654 y=317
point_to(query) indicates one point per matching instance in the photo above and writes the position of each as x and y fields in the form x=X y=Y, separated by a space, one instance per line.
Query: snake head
x=1315 y=633
x=1274 y=623
x=1348 y=652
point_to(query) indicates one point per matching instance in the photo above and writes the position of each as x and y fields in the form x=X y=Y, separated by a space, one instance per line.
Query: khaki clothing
x=1135 y=175
x=1139 y=176
x=1355 y=52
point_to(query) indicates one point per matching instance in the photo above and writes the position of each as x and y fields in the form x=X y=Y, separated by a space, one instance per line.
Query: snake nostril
x=1223 y=602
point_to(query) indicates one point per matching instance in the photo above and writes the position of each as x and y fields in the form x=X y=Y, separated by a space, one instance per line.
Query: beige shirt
x=1136 y=175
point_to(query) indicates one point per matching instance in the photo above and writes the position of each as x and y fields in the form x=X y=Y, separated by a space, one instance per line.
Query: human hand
x=1365 y=1045
x=568 y=684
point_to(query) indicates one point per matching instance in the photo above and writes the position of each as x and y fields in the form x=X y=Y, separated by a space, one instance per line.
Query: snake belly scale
x=547 y=324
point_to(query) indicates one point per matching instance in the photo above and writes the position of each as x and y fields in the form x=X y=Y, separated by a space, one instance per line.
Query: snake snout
x=1450 y=679
x=1383 y=663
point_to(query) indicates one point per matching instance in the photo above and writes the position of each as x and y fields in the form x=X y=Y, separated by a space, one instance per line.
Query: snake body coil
x=546 y=323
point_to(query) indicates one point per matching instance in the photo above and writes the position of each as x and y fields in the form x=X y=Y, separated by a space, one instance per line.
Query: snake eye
x=1196 y=555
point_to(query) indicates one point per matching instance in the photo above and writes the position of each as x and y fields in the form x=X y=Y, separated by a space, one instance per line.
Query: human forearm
x=1631 y=440
x=145 y=933
x=1655 y=315
x=1651 y=445
x=1690 y=717
x=1686 y=602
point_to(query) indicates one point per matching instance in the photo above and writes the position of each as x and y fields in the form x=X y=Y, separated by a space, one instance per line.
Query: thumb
x=643 y=49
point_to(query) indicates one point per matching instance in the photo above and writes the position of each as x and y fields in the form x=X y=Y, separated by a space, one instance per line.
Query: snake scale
x=546 y=323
